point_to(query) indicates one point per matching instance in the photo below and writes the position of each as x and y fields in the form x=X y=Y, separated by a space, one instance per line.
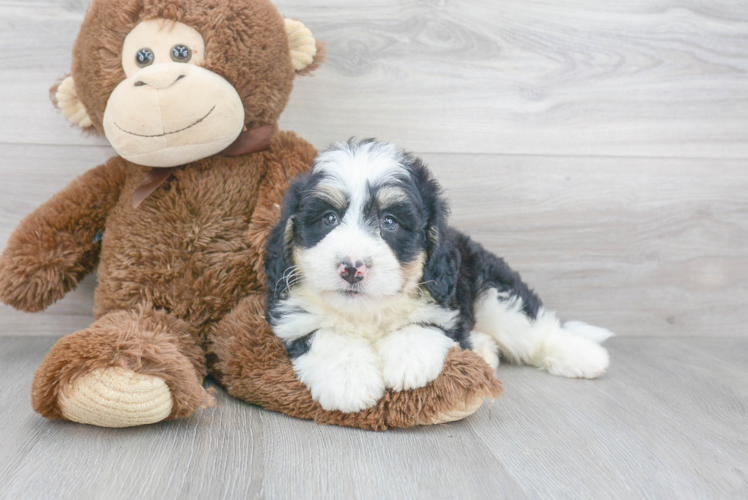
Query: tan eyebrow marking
x=389 y=195
x=332 y=195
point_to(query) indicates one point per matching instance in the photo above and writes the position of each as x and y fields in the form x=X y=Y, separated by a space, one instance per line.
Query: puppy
x=369 y=288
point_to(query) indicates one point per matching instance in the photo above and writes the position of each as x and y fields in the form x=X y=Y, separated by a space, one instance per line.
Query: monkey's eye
x=330 y=219
x=144 y=57
x=389 y=222
x=181 y=53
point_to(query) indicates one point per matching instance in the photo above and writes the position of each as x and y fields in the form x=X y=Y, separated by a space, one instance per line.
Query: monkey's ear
x=306 y=52
x=65 y=97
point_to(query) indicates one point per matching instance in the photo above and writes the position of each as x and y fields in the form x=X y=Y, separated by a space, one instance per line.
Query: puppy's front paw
x=413 y=357
x=574 y=357
x=351 y=391
x=342 y=373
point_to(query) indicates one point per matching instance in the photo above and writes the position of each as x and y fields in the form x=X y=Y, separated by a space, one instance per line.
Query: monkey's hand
x=58 y=244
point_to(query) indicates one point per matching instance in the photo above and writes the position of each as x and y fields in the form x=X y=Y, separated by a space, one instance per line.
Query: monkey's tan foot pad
x=459 y=413
x=116 y=397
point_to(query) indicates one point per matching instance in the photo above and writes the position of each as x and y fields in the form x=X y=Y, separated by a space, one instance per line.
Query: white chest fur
x=305 y=311
x=357 y=352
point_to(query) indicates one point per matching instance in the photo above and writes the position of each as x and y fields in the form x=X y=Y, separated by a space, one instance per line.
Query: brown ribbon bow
x=249 y=141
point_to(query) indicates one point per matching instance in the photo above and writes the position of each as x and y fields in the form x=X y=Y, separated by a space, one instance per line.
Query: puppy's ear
x=279 y=247
x=441 y=270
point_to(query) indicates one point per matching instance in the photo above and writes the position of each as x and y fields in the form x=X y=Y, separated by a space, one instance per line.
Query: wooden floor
x=600 y=146
x=668 y=421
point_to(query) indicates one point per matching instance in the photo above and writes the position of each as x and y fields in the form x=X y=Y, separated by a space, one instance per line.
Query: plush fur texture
x=369 y=288
x=181 y=274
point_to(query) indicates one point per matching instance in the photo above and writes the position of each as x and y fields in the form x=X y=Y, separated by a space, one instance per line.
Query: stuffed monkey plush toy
x=188 y=92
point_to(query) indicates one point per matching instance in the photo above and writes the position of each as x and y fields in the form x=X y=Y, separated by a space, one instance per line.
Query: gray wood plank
x=641 y=246
x=72 y=313
x=668 y=421
x=646 y=78
x=37 y=39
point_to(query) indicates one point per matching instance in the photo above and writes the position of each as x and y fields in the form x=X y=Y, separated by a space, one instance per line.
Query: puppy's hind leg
x=570 y=350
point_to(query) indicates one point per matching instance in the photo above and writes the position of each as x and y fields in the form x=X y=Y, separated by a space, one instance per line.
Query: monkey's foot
x=116 y=397
x=128 y=368
x=458 y=413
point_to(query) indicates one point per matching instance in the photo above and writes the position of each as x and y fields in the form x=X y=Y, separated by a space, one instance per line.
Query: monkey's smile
x=167 y=133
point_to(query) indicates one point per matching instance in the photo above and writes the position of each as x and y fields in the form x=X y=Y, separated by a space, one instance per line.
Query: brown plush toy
x=189 y=93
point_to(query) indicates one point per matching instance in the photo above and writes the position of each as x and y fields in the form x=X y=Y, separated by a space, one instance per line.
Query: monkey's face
x=170 y=110
x=170 y=82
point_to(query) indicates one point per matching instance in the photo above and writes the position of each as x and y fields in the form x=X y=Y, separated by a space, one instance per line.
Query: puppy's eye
x=330 y=219
x=181 y=53
x=144 y=57
x=389 y=222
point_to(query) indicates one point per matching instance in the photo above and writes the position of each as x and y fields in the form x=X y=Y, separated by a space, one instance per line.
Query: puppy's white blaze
x=352 y=171
x=342 y=372
x=413 y=357
x=374 y=162
x=541 y=342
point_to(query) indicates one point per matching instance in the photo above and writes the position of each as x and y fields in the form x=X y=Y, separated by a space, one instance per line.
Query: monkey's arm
x=58 y=244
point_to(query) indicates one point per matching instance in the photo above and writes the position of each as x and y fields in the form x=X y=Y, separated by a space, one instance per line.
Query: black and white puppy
x=369 y=288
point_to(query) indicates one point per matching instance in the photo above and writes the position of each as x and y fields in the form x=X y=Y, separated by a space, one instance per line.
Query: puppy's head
x=365 y=227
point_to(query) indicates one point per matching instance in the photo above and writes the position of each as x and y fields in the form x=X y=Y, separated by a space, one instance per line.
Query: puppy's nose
x=352 y=273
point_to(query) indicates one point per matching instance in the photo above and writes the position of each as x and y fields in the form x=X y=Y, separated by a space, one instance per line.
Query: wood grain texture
x=644 y=78
x=641 y=246
x=581 y=77
x=668 y=421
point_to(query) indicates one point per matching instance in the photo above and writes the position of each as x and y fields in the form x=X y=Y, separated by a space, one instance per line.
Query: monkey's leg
x=128 y=368
x=252 y=364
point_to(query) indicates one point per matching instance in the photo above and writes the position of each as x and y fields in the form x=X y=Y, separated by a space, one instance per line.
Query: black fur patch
x=311 y=228
x=300 y=346
x=278 y=259
x=406 y=239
